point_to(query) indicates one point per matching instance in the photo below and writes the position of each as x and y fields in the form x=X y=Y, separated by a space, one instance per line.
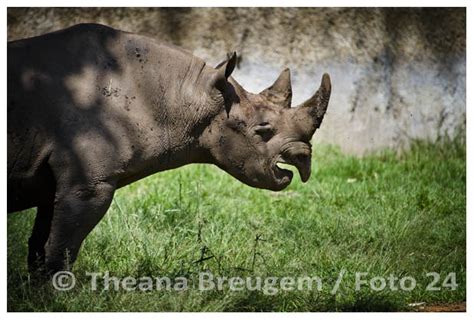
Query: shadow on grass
x=372 y=303
x=312 y=302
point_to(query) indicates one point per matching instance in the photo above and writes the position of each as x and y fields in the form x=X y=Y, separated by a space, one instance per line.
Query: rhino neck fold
x=177 y=110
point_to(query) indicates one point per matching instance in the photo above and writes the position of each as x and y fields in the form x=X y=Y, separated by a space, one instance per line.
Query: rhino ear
x=222 y=71
x=280 y=92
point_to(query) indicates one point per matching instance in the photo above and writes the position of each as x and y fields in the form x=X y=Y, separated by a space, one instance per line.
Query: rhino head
x=254 y=133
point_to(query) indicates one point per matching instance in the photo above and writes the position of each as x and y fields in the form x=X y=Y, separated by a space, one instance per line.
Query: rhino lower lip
x=283 y=174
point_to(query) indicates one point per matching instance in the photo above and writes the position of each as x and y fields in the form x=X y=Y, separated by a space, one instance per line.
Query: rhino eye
x=264 y=130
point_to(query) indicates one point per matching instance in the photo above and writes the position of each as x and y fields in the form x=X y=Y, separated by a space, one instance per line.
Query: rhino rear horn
x=280 y=92
x=223 y=71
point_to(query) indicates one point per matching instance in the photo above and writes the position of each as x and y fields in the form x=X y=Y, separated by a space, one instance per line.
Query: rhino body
x=92 y=109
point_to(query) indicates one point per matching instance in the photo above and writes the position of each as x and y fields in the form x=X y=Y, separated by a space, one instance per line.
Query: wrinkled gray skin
x=92 y=109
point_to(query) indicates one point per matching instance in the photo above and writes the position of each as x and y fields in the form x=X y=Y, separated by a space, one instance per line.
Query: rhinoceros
x=92 y=109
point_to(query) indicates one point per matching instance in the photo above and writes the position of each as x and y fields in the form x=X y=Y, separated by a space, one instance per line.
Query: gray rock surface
x=398 y=74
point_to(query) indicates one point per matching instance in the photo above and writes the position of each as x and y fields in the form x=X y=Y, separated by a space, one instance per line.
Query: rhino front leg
x=77 y=210
x=39 y=236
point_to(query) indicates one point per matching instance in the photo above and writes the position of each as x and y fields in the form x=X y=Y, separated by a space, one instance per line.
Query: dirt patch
x=444 y=307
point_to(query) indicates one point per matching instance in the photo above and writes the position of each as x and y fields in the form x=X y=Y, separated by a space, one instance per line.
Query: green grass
x=383 y=214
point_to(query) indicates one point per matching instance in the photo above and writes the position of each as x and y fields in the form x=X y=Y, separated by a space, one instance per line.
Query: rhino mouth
x=296 y=156
x=284 y=176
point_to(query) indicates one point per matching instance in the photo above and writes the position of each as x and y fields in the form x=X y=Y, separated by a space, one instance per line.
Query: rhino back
x=102 y=101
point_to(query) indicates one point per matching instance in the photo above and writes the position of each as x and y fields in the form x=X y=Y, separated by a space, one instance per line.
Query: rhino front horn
x=316 y=106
